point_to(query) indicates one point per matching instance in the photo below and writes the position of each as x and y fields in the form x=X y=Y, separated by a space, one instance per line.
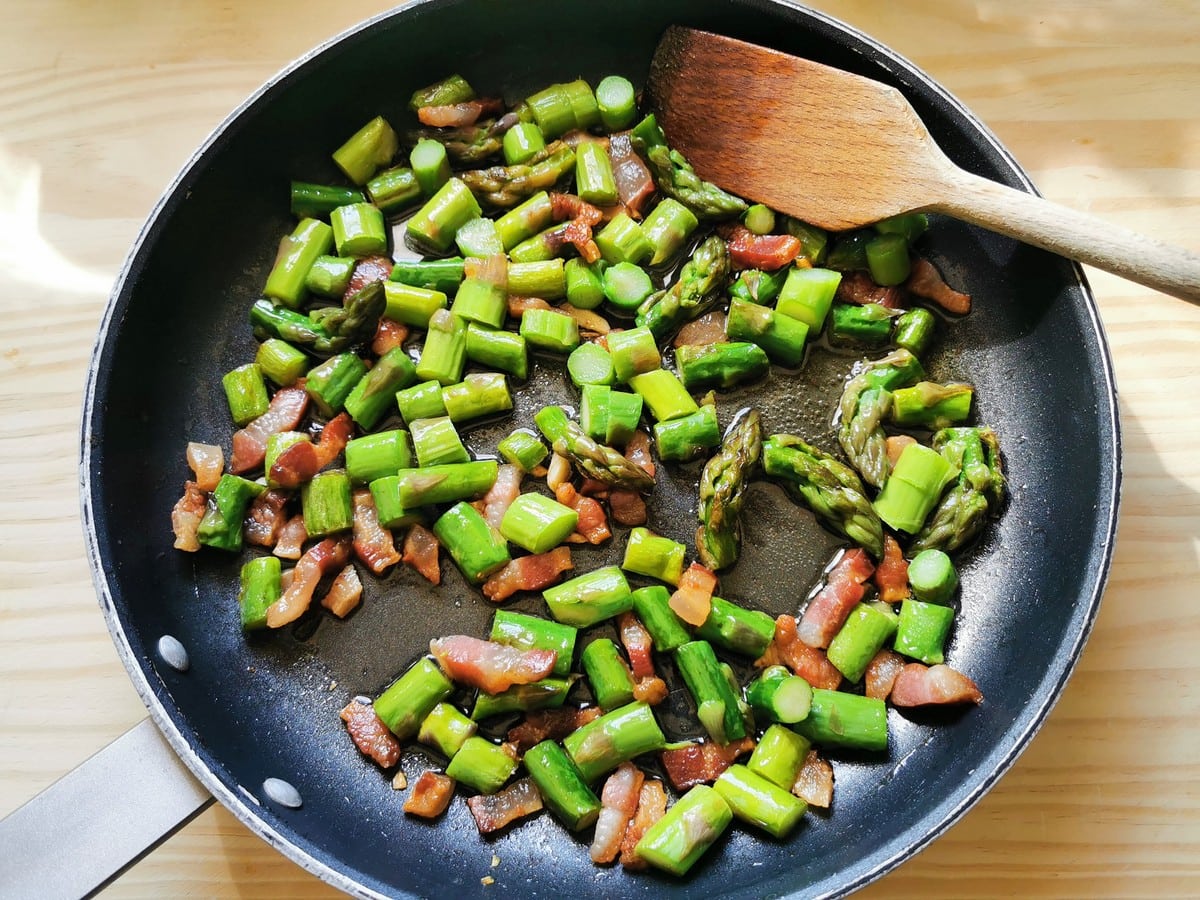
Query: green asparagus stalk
x=594 y=175
x=473 y=544
x=838 y=719
x=450 y=90
x=593 y=410
x=675 y=177
x=421 y=401
x=392 y=513
x=325 y=331
x=506 y=186
x=479 y=394
x=829 y=488
x=910 y=225
x=549 y=693
x=445 y=484
x=523 y=448
x=627 y=285
x=589 y=598
x=375 y=392
x=562 y=786
x=779 y=755
x=280 y=361
x=866 y=630
x=478 y=238
x=978 y=492
x=536 y=523
x=412 y=305
x=221 y=524
x=617 y=102
x=607 y=674
x=430 y=166
x=722 y=492
x=259 y=589
x=330 y=383
x=757 y=286
x=695 y=291
x=716 y=703
x=780 y=336
x=868 y=324
x=246 y=393
x=467 y=145
x=930 y=405
x=914 y=330
x=651 y=554
x=436 y=223
x=779 y=696
x=440 y=275
x=276 y=444
x=544 y=278
x=590 y=364
x=688 y=438
x=297 y=253
x=482 y=765
x=367 y=151
x=677 y=841
x=622 y=241
x=593 y=460
x=329 y=276
x=634 y=352
x=652 y=605
x=498 y=349
x=624 y=415
x=377 y=455
x=412 y=697
x=436 y=442
x=808 y=294
x=737 y=629
x=722 y=365
x=313 y=200
x=522 y=143
x=326 y=500
x=664 y=394
x=866 y=401
x=550 y=330
x=446 y=729
x=445 y=352
x=667 y=228
x=759 y=219
x=917 y=482
x=849 y=251
x=524 y=221
x=604 y=743
x=932 y=577
x=887 y=259
x=921 y=633
x=394 y=190
x=754 y=799
x=584 y=287
x=532 y=633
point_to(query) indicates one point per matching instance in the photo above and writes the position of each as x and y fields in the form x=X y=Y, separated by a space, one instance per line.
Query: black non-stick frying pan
x=250 y=709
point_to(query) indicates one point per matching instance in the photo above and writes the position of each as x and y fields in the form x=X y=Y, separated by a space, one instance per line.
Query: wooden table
x=100 y=103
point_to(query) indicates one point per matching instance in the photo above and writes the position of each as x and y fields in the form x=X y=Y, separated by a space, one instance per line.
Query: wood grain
x=101 y=103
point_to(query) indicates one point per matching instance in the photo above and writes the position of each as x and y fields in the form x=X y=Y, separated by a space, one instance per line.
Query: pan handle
x=96 y=821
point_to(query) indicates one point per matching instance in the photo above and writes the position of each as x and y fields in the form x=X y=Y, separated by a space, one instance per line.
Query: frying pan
x=251 y=709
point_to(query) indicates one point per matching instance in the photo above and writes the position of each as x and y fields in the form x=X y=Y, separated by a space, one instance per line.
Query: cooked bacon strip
x=896 y=444
x=528 y=573
x=891 y=575
x=881 y=673
x=366 y=270
x=369 y=734
x=635 y=185
x=858 y=287
x=748 y=250
x=571 y=206
x=320 y=560
x=814 y=781
x=809 y=663
x=421 y=552
x=708 y=329
x=588 y=320
x=494 y=811
x=652 y=804
x=638 y=645
x=577 y=231
x=592 y=524
x=490 y=666
x=692 y=600
x=920 y=685
x=206 y=461
x=304 y=459
x=373 y=544
x=389 y=334
x=926 y=281
x=293 y=534
x=518 y=305
x=284 y=414
x=458 y=115
x=618 y=803
x=593 y=488
x=577 y=136
x=430 y=795
x=637 y=451
x=843 y=589
x=549 y=725
x=504 y=490
x=265 y=519
x=701 y=763
x=627 y=507
x=186 y=516
x=344 y=594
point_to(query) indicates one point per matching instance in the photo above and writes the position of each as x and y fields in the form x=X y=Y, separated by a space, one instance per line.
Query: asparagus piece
x=327 y=504
x=868 y=324
x=695 y=291
x=532 y=633
x=779 y=756
x=754 y=799
x=932 y=577
x=664 y=394
x=604 y=743
x=522 y=143
x=473 y=544
x=650 y=554
x=221 y=524
x=675 y=177
x=652 y=605
x=297 y=253
x=478 y=238
x=392 y=513
x=436 y=223
x=910 y=225
x=482 y=765
x=626 y=285
x=523 y=448
x=624 y=415
x=450 y=90
x=607 y=674
x=732 y=627
x=594 y=175
x=722 y=365
x=688 y=438
x=411 y=305
x=722 y=492
x=838 y=719
x=280 y=361
x=979 y=490
x=562 y=786
x=590 y=364
x=560 y=108
x=759 y=219
x=617 y=102
x=930 y=405
x=916 y=484
x=779 y=335
x=716 y=703
x=377 y=455
x=667 y=228
x=479 y=394
x=375 y=392
x=445 y=352
x=757 y=286
x=330 y=383
x=866 y=630
x=550 y=330
x=887 y=259
x=394 y=190
x=779 y=696
x=430 y=166
x=634 y=352
x=276 y=444
x=445 y=484
x=312 y=200
x=593 y=410
x=368 y=150
x=259 y=589
x=329 y=276
x=466 y=145
x=676 y=841
x=325 y=331
x=412 y=697
x=914 y=330
x=543 y=278
x=498 y=349
x=436 y=442
x=622 y=241
x=421 y=401
x=865 y=401
x=593 y=460
x=921 y=633
x=545 y=694
x=506 y=186
x=446 y=729
x=524 y=221
x=829 y=488
x=246 y=393
x=807 y=295
x=589 y=598
x=584 y=287
x=440 y=275
x=536 y=523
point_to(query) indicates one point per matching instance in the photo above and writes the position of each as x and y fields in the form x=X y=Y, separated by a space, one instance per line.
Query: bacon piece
x=638 y=645
x=578 y=231
x=369 y=734
x=549 y=725
x=618 y=803
x=891 y=575
x=458 y=115
x=284 y=414
x=843 y=589
x=528 y=573
x=389 y=334
x=593 y=488
x=373 y=544
x=430 y=795
x=571 y=206
x=304 y=459
x=367 y=270
x=701 y=763
x=495 y=811
x=265 y=519
x=490 y=666
x=293 y=534
x=896 y=444
x=858 y=287
x=635 y=185
x=652 y=804
x=186 y=516
x=651 y=691
x=592 y=524
x=206 y=461
x=637 y=451
x=421 y=552
x=925 y=281
x=504 y=490
x=588 y=320
x=708 y=329
x=769 y=252
x=692 y=600
x=920 y=685
x=814 y=781
x=518 y=305
x=881 y=673
x=809 y=663
x=490 y=269
x=627 y=507
x=320 y=560
x=344 y=594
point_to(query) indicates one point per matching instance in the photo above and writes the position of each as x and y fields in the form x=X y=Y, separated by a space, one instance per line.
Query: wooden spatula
x=839 y=151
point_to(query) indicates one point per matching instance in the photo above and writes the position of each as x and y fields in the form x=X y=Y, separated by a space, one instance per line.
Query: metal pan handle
x=96 y=821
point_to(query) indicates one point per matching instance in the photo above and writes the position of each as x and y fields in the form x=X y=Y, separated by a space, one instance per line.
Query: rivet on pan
x=282 y=793
x=173 y=653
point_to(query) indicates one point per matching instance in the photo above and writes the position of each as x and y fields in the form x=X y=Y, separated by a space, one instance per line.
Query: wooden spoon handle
x=1069 y=233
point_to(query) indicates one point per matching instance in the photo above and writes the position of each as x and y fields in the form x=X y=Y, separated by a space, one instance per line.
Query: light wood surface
x=100 y=103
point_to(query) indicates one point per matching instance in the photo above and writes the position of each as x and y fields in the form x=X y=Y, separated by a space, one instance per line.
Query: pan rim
x=168 y=717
